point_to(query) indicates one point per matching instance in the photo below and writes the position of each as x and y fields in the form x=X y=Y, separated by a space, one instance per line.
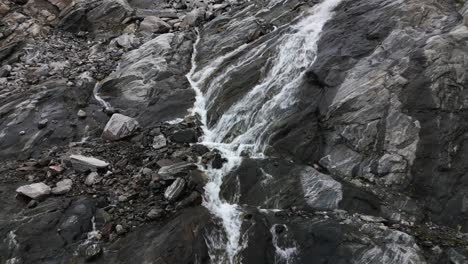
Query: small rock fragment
x=81 y=113
x=92 y=252
x=91 y=179
x=175 y=189
x=35 y=190
x=120 y=126
x=62 y=187
x=83 y=163
x=159 y=142
x=119 y=229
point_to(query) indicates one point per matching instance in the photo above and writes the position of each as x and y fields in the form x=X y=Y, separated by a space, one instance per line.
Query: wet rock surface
x=99 y=160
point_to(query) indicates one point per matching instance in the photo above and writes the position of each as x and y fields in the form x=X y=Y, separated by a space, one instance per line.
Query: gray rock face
x=175 y=189
x=34 y=191
x=154 y=24
x=63 y=187
x=83 y=163
x=175 y=170
x=320 y=191
x=120 y=126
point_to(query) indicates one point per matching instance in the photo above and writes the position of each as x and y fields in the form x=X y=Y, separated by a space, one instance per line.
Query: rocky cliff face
x=239 y=131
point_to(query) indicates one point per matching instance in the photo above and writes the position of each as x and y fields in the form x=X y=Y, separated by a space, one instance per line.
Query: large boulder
x=35 y=190
x=120 y=126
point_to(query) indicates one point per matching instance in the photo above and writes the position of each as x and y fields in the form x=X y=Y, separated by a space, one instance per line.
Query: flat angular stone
x=63 y=187
x=83 y=163
x=35 y=190
x=167 y=172
x=120 y=126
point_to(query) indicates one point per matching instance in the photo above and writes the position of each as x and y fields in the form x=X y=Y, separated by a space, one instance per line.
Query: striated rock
x=320 y=191
x=154 y=24
x=83 y=163
x=175 y=189
x=119 y=126
x=62 y=187
x=175 y=170
x=34 y=191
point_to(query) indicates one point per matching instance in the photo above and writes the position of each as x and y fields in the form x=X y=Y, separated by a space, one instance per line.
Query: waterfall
x=253 y=115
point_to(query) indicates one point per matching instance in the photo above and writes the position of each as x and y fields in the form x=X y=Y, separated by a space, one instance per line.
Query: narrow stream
x=247 y=123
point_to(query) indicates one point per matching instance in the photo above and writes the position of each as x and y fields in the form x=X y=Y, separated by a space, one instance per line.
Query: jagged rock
x=34 y=191
x=62 y=187
x=175 y=189
x=188 y=135
x=42 y=123
x=193 y=18
x=120 y=126
x=154 y=25
x=159 y=142
x=93 y=252
x=83 y=163
x=81 y=114
x=175 y=170
x=126 y=41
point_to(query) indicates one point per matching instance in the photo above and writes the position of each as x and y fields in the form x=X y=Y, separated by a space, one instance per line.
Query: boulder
x=154 y=24
x=120 y=126
x=109 y=14
x=175 y=189
x=62 y=187
x=35 y=190
x=188 y=135
x=159 y=142
x=177 y=169
x=83 y=163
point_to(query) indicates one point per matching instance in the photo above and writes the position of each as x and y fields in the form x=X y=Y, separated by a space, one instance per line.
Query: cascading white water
x=255 y=113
